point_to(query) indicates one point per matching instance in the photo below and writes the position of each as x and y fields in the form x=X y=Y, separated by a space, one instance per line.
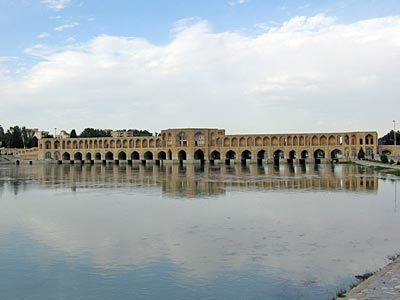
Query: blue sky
x=37 y=35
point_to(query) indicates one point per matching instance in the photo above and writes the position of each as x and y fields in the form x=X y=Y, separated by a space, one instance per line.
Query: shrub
x=391 y=161
x=384 y=158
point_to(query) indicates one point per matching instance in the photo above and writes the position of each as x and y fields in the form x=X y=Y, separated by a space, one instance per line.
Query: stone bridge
x=203 y=145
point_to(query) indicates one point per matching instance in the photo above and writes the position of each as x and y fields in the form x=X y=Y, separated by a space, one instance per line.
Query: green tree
x=388 y=139
x=2 y=137
x=384 y=158
x=73 y=134
x=361 y=154
x=28 y=138
x=13 y=137
x=91 y=132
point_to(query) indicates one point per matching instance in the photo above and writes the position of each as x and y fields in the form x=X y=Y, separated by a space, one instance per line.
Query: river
x=190 y=232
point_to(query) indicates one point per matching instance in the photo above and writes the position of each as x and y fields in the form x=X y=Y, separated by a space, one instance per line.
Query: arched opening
x=230 y=154
x=215 y=155
x=292 y=154
x=122 y=155
x=262 y=154
x=198 y=155
x=47 y=155
x=336 y=154
x=182 y=155
x=246 y=154
x=169 y=155
x=387 y=152
x=278 y=154
x=148 y=155
x=181 y=139
x=304 y=154
x=318 y=154
x=332 y=140
x=162 y=155
x=88 y=156
x=199 y=139
x=56 y=156
x=135 y=156
x=109 y=156
x=369 y=152
x=78 y=156
x=97 y=156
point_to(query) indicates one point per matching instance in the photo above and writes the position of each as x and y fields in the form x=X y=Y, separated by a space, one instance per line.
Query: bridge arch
x=182 y=155
x=230 y=154
x=162 y=155
x=266 y=141
x=279 y=154
x=97 y=156
x=262 y=154
x=227 y=142
x=198 y=155
x=148 y=155
x=319 y=154
x=301 y=140
x=314 y=141
x=246 y=154
x=109 y=156
x=304 y=154
x=369 y=152
x=215 y=155
x=336 y=153
x=78 y=156
x=234 y=142
x=66 y=156
x=122 y=155
x=258 y=141
x=88 y=156
x=135 y=155
x=332 y=140
x=292 y=154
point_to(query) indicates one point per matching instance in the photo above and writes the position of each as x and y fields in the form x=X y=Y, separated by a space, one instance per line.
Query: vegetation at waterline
x=17 y=137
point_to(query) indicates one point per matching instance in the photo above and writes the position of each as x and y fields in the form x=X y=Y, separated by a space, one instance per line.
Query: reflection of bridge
x=211 y=145
x=196 y=181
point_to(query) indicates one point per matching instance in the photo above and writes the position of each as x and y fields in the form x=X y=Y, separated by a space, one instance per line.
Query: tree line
x=92 y=132
x=388 y=139
x=17 y=137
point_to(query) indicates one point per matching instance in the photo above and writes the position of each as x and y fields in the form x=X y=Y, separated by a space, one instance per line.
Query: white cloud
x=237 y=2
x=43 y=35
x=56 y=5
x=306 y=72
x=66 y=26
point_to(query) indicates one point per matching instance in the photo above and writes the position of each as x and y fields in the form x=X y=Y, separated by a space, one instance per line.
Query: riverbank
x=386 y=168
x=384 y=284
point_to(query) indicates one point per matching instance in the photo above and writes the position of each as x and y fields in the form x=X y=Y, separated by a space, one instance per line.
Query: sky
x=248 y=66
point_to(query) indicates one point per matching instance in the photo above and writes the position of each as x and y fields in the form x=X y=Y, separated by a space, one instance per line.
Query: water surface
x=170 y=232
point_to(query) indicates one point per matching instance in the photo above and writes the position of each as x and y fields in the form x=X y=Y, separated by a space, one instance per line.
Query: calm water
x=150 y=232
